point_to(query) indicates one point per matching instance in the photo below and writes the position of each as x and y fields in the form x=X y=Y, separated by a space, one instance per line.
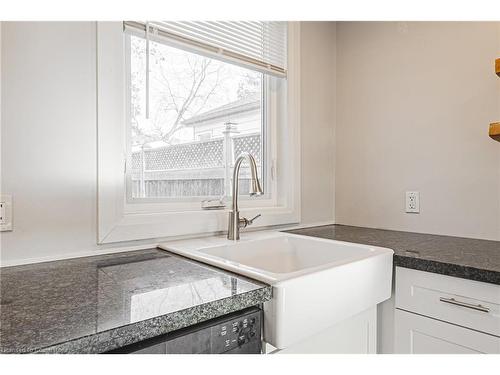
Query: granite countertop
x=453 y=256
x=99 y=303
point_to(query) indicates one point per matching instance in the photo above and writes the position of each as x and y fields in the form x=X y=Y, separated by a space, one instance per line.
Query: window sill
x=192 y=223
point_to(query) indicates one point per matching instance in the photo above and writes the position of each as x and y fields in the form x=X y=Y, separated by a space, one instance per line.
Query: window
x=188 y=121
x=158 y=158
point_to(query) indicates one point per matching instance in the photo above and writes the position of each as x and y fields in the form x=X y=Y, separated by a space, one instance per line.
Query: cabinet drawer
x=468 y=303
x=416 y=334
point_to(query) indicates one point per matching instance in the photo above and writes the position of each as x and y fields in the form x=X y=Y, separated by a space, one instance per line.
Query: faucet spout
x=235 y=223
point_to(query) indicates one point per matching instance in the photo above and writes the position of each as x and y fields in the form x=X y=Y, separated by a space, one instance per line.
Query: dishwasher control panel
x=236 y=333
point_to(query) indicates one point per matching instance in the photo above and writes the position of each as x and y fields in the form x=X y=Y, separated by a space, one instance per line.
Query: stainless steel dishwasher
x=236 y=333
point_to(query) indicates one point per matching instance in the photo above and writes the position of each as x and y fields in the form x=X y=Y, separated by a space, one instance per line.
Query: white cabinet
x=355 y=335
x=467 y=303
x=443 y=314
x=417 y=334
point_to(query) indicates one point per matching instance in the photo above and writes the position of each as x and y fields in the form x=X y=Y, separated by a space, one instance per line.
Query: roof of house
x=237 y=107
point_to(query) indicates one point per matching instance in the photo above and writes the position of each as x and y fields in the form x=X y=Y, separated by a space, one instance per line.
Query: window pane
x=203 y=113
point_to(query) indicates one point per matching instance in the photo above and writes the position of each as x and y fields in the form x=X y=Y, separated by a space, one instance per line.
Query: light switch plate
x=412 y=202
x=5 y=212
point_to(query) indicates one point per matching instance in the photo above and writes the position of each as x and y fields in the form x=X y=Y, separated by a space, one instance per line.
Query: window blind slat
x=247 y=37
x=217 y=38
x=257 y=45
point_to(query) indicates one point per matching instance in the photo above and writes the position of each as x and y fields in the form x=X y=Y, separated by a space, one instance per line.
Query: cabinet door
x=416 y=334
x=354 y=335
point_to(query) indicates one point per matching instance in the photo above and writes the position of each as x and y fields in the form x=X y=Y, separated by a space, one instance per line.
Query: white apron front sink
x=316 y=282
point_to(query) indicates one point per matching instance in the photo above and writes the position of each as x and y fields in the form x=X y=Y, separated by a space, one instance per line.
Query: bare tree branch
x=185 y=89
x=197 y=82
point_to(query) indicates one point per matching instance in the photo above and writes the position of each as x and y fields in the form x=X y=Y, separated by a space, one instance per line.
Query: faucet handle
x=244 y=222
x=250 y=222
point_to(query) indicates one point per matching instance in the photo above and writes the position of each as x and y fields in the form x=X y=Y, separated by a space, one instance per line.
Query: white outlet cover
x=5 y=212
x=412 y=204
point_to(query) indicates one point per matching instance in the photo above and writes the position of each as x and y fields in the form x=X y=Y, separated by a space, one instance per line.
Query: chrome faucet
x=235 y=223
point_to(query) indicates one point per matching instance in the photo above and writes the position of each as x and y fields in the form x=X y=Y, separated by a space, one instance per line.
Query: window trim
x=115 y=222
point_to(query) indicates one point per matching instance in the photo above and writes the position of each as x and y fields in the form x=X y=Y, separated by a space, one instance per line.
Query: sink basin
x=286 y=256
x=324 y=281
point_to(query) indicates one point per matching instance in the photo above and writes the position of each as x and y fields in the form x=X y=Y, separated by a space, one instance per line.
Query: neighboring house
x=244 y=115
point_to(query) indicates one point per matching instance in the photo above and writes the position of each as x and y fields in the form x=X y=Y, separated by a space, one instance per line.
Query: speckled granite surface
x=453 y=256
x=95 y=304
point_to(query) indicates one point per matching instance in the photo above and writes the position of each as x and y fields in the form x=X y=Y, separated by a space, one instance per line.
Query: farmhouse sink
x=316 y=282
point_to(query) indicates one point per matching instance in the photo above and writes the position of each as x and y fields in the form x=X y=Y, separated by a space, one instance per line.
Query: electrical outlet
x=2 y=213
x=413 y=202
x=5 y=213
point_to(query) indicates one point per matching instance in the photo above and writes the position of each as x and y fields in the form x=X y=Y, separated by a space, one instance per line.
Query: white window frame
x=122 y=221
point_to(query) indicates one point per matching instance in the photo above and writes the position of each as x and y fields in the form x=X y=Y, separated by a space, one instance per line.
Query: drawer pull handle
x=453 y=301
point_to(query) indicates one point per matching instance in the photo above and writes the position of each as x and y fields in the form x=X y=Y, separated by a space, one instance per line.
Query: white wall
x=49 y=138
x=498 y=117
x=48 y=127
x=318 y=79
x=414 y=104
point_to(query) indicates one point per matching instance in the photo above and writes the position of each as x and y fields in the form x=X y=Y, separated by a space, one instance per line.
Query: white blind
x=257 y=45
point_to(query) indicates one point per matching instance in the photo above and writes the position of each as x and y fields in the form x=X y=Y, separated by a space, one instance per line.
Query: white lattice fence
x=247 y=143
x=206 y=154
x=190 y=169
